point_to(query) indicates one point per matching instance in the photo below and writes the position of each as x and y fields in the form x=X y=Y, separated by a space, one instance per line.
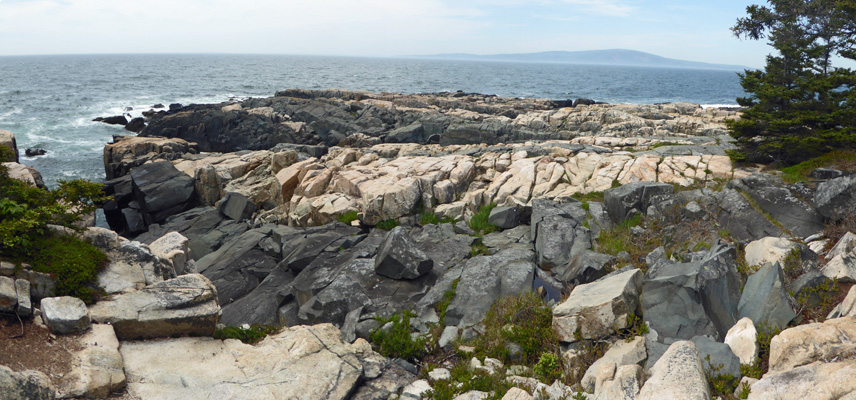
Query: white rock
x=599 y=308
x=742 y=338
x=768 y=250
x=450 y=334
x=517 y=394
x=845 y=245
x=678 y=374
x=173 y=247
x=439 y=374
x=620 y=353
x=415 y=390
x=847 y=308
x=472 y=395
x=96 y=369
x=841 y=267
x=805 y=344
x=821 y=381
x=624 y=385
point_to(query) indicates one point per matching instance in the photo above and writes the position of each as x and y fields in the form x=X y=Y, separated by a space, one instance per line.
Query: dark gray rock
x=162 y=190
x=558 y=233
x=301 y=251
x=399 y=258
x=136 y=124
x=825 y=173
x=261 y=305
x=698 y=298
x=764 y=298
x=720 y=355
x=836 y=198
x=587 y=266
x=442 y=244
x=236 y=206
x=623 y=201
x=772 y=197
x=35 y=152
x=504 y=217
x=113 y=120
x=741 y=220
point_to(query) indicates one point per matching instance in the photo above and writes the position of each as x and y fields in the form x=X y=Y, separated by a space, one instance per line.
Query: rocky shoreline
x=325 y=212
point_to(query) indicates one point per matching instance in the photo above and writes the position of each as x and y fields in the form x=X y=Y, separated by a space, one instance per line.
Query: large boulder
x=302 y=362
x=597 y=309
x=186 y=305
x=684 y=300
x=631 y=352
x=622 y=202
x=236 y=206
x=65 y=315
x=678 y=374
x=587 y=267
x=8 y=295
x=805 y=344
x=173 y=247
x=765 y=299
x=558 y=233
x=768 y=250
x=26 y=385
x=836 y=198
x=742 y=338
x=399 y=258
x=162 y=190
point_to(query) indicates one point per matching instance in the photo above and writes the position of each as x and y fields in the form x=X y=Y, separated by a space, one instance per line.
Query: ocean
x=49 y=101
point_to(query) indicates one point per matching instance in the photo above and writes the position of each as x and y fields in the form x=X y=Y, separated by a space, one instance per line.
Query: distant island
x=597 y=57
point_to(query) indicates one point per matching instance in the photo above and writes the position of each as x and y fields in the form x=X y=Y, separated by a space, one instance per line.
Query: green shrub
x=465 y=379
x=387 y=224
x=721 y=385
x=396 y=340
x=73 y=263
x=428 y=217
x=348 y=217
x=479 y=222
x=549 y=367
x=761 y=364
x=523 y=319
x=251 y=335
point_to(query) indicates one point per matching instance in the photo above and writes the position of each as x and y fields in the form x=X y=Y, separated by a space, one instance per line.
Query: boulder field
x=220 y=223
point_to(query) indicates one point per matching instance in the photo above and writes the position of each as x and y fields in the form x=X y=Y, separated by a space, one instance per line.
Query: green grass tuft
x=396 y=340
x=387 y=224
x=348 y=217
x=252 y=335
x=428 y=217
x=479 y=222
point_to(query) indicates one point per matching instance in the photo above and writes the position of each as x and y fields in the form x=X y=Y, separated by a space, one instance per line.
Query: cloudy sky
x=691 y=30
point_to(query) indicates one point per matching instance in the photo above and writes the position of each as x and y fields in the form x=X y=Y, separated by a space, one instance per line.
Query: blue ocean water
x=50 y=101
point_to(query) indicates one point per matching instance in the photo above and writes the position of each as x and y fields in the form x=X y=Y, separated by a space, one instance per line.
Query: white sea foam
x=705 y=106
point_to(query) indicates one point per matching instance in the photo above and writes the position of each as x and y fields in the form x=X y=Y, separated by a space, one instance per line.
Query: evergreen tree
x=800 y=106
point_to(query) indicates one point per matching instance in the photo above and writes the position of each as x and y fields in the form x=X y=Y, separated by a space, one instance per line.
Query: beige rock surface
x=597 y=309
x=97 y=369
x=832 y=340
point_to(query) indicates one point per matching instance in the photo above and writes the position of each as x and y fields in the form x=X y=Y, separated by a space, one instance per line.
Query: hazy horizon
x=377 y=28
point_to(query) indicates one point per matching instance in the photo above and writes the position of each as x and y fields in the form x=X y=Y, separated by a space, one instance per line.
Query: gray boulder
x=587 y=267
x=399 y=258
x=597 y=309
x=558 y=233
x=25 y=303
x=26 y=385
x=741 y=220
x=623 y=201
x=720 y=355
x=65 y=315
x=679 y=374
x=236 y=206
x=809 y=286
x=764 y=298
x=836 y=198
x=504 y=217
x=186 y=305
x=162 y=190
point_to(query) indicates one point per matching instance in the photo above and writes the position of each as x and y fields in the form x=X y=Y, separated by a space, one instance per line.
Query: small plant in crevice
x=524 y=320
x=348 y=217
x=429 y=217
x=479 y=221
x=393 y=338
x=762 y=363
x=635 y=327
x=250 y=335
x=721 y=385
x=387 y=224
x=465 y=379
x=549 y=367
x=478 y=248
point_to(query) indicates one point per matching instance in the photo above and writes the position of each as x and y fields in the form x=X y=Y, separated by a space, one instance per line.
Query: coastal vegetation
x=800 y=105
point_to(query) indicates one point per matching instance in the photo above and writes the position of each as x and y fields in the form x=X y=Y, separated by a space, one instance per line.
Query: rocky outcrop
x=26 y=385
x=765 y=299
x=834 y=339
x=96 y=368
x=128 y=152
x=25 y=174
x=303 y=362
x=677 y=375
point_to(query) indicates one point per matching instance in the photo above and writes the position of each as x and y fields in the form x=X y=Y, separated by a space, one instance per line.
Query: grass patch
x=251 y=335
x=428 y=217
x=524 y=320
x=664 y=144
x=840 y=159
x=348 y=217
x=620 y=238
x=73 y=263
x=721 y=385
x=396 y=341
x=465 y=379
x=387 y=224
x=443 y=305
x=588 y=197
x=479 y=222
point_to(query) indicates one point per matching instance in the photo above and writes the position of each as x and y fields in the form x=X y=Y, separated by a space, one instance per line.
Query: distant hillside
x=597 y=57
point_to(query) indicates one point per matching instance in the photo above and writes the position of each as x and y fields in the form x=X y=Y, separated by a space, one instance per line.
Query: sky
x=683 y=29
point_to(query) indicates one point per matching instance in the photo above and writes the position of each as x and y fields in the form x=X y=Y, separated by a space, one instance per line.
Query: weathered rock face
x=8 y=295
x=741 y=220
x=127 y=152
x=161 y=190
x=597 y=309
x=558 y=233
x=27 y=385
x=623 y=201
x=677 y=375
x=25 y=174
x=186 y=305
x=805 y=344
x=621 y=353
x=304 y=362
x=770 y=194
x=7 y=139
